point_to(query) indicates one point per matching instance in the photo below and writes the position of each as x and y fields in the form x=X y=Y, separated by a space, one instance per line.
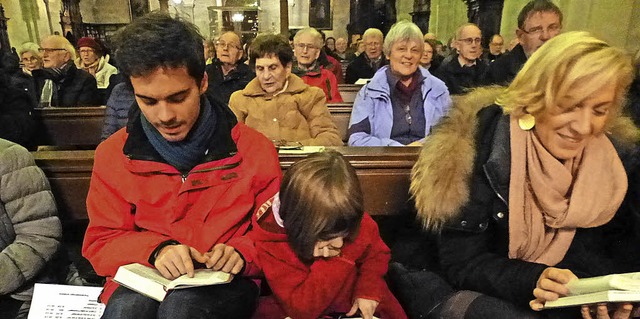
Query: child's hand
x=367 y=308
x=224 y=258
x=328 y=248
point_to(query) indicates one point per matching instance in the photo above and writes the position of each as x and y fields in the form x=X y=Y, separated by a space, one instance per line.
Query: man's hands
x=176 y=260
x=367 y=308
x=551 y=286
x=601 y=311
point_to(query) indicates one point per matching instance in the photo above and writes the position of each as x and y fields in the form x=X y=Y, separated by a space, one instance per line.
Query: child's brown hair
x=320 y=198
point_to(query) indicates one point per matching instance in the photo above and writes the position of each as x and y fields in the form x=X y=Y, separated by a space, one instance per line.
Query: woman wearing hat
x=93 y=60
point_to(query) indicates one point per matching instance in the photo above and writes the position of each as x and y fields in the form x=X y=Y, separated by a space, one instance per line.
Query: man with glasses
x=226 y=75
x=60 y=83
x=366 y=65
x=464 y=70
x=279 y=104
x=495 y=48
x=538 y=21
x=307 y=44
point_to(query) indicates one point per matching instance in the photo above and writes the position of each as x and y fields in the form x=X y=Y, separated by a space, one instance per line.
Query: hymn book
x=149 y=282
x=609 y=288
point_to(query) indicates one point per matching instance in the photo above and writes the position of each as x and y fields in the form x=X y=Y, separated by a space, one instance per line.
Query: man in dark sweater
x=367 y=63
x=226 y=75
x=464 y=70
x=67 y=85
x=538 y=21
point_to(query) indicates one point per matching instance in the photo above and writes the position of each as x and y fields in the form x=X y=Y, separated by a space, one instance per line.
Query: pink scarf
x=549 y=199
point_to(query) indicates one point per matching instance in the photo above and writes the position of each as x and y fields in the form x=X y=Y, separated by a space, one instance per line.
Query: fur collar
x=441 y=176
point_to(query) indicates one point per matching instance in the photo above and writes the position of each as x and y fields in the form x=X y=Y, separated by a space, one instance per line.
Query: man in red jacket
x=176 y=189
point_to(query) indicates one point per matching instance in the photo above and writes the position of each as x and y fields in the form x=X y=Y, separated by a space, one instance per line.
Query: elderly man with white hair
x=365 y=65
x=61 y=83
x=307 y=44
x=403 y=101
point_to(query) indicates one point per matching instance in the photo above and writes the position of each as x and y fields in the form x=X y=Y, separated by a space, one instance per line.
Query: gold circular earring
x=527 y=122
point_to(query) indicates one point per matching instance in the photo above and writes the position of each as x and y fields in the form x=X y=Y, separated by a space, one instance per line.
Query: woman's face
x=404 y=57
x=565 y=129
x=331 y=44
x=427 y=55
x=30 y=61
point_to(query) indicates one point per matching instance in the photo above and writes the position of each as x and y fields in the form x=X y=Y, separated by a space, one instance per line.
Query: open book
x=610 y=288
x=149 y=282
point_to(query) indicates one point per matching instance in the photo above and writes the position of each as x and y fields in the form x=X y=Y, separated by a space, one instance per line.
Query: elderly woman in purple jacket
x=403 y=101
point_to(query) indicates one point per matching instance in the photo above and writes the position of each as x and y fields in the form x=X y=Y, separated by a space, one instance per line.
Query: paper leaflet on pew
x=151 y=283
x=65 y=302
x=610 y=288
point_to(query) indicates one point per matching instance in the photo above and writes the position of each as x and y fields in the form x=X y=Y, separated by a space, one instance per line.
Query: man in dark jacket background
x=67 y=85
x=465 y=69
x=538 y=21
x=226 y=75
x=367 y=63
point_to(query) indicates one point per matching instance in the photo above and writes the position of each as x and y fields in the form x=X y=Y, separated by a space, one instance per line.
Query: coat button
x=500 y=215
x=275 y=119
x=463 y=223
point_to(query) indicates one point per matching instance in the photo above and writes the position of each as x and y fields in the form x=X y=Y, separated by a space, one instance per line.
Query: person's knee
x=125 y=303
x=237 y=299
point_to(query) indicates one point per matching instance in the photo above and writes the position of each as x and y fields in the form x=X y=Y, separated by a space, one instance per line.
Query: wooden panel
x=384 y=174
x=341 y=117
x=69 y=126
x=349 y=92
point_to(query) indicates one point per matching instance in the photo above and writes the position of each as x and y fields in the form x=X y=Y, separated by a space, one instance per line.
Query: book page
x=65 y=302
x=627 y=281
x=201 y=277
x=304 y=150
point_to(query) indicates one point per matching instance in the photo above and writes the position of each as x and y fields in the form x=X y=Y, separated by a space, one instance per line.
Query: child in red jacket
x=319 y=251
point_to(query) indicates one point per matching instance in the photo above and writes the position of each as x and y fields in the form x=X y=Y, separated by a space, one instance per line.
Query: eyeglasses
x=50 y=50
x=87 y=51
x=539 y=30
x=471 y=40
x=224 y=45
x=407 y=114
x=372 y=44
x=303 y=46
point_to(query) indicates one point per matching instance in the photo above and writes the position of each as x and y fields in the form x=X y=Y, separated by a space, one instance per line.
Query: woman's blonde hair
x=573 y=62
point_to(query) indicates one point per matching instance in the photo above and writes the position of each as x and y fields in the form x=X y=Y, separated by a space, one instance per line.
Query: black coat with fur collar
x=470 y=210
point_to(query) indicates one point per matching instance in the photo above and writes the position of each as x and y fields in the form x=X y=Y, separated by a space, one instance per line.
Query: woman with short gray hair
x=403 y=101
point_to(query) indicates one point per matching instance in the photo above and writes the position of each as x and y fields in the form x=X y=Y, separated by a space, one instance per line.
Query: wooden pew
x=82 y=126
x=69 y=126
x=349 y=92
x=383 y=172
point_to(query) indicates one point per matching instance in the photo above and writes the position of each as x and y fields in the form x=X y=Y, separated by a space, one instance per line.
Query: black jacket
x=16 y=123
x=459 y=79
x=473 y=248
x=504 y=69
x=359 y=68
x=77 y=88
x=222 y=87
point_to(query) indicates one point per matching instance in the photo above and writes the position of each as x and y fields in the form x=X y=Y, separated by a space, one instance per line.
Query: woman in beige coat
x=279 y=104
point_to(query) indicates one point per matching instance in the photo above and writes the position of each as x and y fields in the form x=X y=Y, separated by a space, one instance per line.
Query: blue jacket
x=372 y=109
x=117 y=113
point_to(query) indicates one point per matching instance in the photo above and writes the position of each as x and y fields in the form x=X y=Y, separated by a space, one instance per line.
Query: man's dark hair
x=268 y=45
x=537 y=6
x=157 y=40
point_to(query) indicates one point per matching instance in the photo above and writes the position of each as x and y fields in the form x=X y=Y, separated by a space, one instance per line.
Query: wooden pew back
x=69 y=126
x=349 y=92
x=82 y=126
x=383 y=172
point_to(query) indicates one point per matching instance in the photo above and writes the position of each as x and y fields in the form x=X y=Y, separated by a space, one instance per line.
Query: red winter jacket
x=328 y=285
x=137 y=201
x=326 y=81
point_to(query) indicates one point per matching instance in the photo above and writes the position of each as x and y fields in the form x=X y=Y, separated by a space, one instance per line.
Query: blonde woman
x=528 y=193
